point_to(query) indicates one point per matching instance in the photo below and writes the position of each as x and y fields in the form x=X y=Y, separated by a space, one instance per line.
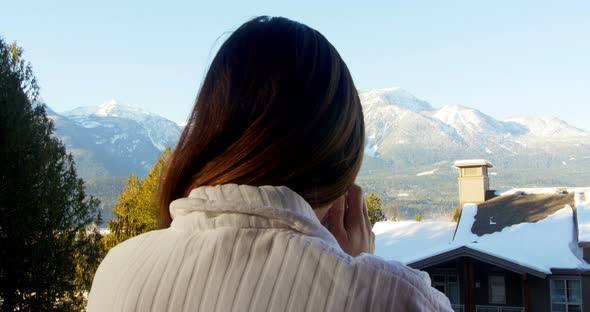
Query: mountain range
x=113 y=139
x=402 y=131
x=410 y=148
x=409 y=132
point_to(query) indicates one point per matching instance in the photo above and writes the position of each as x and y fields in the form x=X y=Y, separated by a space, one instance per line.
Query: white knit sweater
x=245 y=248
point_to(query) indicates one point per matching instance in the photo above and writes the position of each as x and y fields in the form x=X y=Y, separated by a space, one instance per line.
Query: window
x=497 y=289
x=566 y=295
x=447 y=284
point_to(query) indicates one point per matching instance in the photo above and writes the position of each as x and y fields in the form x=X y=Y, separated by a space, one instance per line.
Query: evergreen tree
x=87 y=258
x=375 y=211
x=457 y=214
x=137 y=210
x=418 y=217
x=151 y=187
x=127 y=223
x=43 y=204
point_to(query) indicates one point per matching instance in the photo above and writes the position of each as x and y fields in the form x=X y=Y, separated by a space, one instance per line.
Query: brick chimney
x=473 y=180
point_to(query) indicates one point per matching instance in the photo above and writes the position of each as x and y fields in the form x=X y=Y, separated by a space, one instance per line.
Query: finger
x=366 y=213
x=354 y=214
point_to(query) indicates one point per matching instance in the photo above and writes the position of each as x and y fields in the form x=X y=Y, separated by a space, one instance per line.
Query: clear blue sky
x=504 y=58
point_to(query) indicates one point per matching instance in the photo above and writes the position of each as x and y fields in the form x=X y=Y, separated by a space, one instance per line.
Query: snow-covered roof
x=541 y=246
x=407 y=241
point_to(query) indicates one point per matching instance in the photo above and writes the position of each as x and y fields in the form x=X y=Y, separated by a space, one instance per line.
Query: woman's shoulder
x=124 y=264
x=131 y=246
x=120 y=255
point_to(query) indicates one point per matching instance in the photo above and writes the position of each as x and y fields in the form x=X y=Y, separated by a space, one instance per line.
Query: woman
x=259 y=209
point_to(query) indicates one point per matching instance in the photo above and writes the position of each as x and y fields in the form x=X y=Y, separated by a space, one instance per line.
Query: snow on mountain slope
x=393 y=96
x=401 y=130
x=114 y=140
x=396 y=129
x=406 y=130
x=161 y=131
x=470 y=122
x=480 y=130
x=111 y=109
x=551 y=127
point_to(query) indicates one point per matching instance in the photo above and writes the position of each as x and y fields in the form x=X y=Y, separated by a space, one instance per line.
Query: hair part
x=277 y=107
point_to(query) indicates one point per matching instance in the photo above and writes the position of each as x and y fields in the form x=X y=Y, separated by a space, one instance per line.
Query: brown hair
x=277 y=107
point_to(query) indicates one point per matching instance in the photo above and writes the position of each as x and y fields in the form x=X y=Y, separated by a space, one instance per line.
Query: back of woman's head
x=277 y=107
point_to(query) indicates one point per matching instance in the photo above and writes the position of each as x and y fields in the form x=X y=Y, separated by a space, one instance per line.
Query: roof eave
x=569 y=271
x=465 y=251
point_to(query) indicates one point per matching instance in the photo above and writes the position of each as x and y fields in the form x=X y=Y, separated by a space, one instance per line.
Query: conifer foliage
x=137 y=210
x=375 y=211
x=45 y=213
x=418 y=217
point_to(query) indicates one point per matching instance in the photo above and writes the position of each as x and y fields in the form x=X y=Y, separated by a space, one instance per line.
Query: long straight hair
x=277 y=107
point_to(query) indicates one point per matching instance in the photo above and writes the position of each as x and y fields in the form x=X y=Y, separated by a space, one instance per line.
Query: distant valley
x=410 y=148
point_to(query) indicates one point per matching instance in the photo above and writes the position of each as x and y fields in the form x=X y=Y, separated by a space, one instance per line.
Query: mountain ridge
x=456 y=131
x=410 y=147
x=113 y=139
x=401 y=129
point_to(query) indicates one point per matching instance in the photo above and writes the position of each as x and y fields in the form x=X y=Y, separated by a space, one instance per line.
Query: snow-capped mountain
x=471 y=123
x=407 y=131
x=161 y=131
x=113 y=139
x=393 y=96
x=408 y=142
x=402 y=130
x=544 y=127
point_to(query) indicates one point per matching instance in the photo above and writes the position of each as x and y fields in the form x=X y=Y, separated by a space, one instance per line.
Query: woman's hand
x=348 y=221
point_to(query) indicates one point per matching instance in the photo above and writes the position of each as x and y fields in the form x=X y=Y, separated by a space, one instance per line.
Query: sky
x=505 y=58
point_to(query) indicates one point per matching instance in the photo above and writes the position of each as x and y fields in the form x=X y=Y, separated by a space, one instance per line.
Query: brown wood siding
x=512 y=284
x=540 y=300
x=586 y=293
x=514 y=289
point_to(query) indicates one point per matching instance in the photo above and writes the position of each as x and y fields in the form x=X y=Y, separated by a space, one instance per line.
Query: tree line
x=50 y=238
x=49 y=241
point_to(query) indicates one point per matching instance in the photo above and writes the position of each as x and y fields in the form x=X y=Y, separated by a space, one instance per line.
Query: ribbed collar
x=275 y=203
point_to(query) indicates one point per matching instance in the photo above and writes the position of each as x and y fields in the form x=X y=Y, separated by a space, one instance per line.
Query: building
x=518 y=250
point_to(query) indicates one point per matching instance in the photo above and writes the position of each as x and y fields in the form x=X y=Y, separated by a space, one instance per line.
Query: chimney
x=473 y=180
